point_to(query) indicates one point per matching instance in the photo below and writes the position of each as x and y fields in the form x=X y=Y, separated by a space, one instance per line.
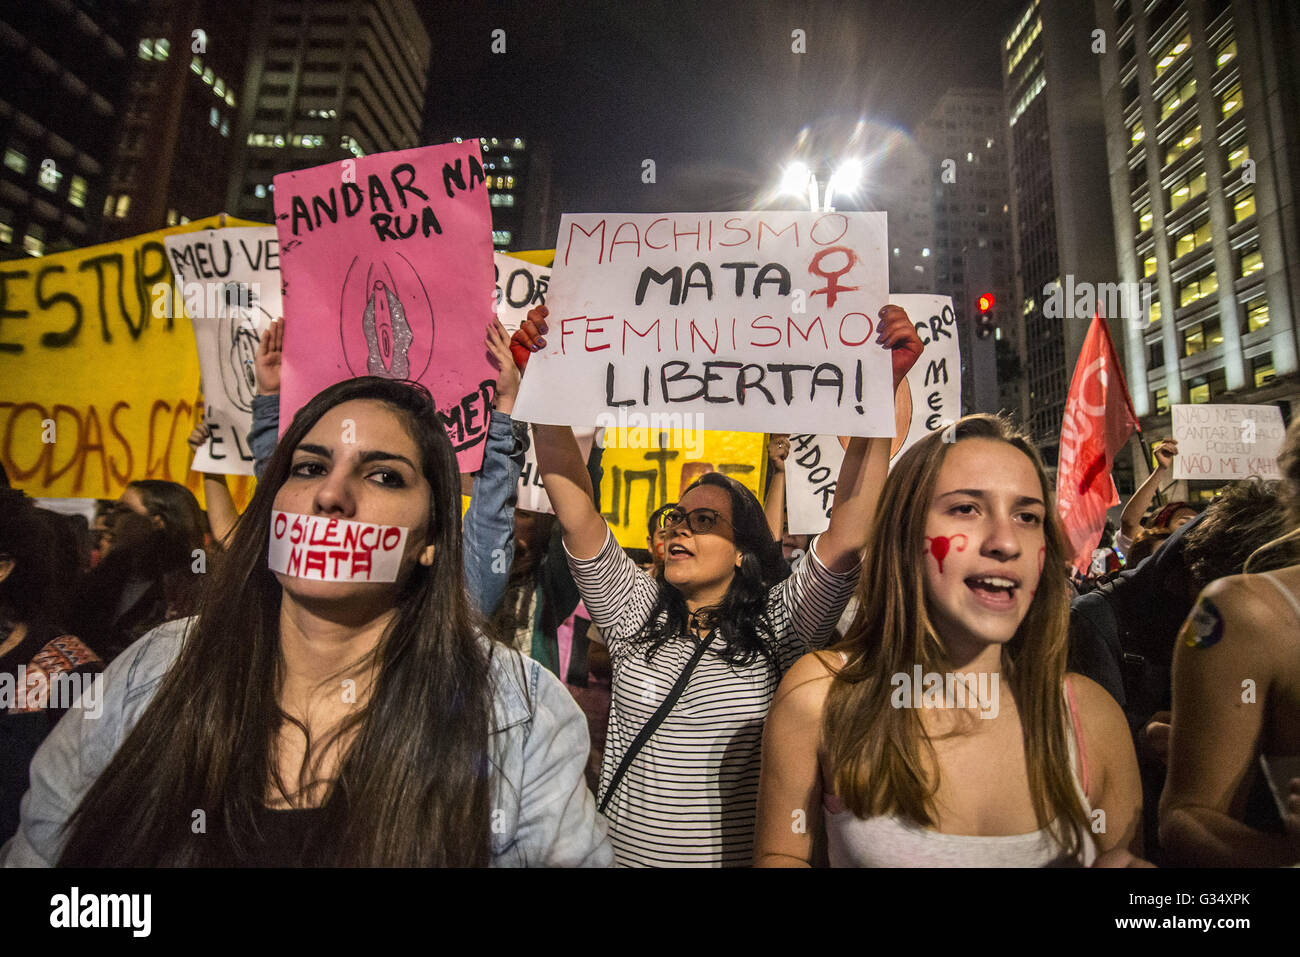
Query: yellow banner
x=99 y=376
x=646 y=468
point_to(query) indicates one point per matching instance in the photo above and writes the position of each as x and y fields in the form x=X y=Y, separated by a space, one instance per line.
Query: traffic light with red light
x=985 y=323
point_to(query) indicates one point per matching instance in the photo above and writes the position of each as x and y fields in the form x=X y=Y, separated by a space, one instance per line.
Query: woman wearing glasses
x=717 y=625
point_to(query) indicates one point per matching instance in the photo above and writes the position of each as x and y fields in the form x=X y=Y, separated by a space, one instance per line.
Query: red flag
x=1099 y=418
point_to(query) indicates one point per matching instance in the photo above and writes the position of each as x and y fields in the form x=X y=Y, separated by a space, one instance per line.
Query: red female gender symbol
x=940 y=544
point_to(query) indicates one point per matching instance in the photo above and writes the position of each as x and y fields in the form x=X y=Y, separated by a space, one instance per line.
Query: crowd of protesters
x=925 y=683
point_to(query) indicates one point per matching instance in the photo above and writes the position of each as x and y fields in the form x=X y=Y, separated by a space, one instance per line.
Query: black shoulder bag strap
x=656 y=719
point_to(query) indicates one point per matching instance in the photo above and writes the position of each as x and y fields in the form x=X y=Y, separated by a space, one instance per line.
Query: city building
x=326 y=80
x=518 y=172
x=60 y=110
x=1060 y=219
x=1201 y=107
x=176 y=145
x=965 y=138
x=900 y=182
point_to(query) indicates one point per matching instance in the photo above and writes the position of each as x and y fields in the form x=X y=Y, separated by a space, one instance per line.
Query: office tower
x=1061 y=220
x=176 y=144
x=1201 y=105
x=965 y=138
x=326 y=80
x=66 y=69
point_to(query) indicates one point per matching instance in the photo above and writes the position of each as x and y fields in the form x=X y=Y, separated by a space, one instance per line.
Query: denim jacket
x=543 y=813
x=489 y=527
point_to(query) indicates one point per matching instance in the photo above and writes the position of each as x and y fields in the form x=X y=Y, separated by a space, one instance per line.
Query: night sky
x=710 y=90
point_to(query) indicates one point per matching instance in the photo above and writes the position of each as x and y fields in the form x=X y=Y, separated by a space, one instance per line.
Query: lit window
x=925 y=251
x=1155 y=310
x=34 y=241
x=1256 y=315
x=1198 y=287
x=1168 y=56
x=503 y=199
x=519 y=144
x=161 y=48
x=225 y=127
x=214 y=118
x=6 y=230
x=1176 y=98
x=1238 y=155
x=1149 y=266
x=1200 y=393
x=510 y=182
x=259 y=191
x=1196 y=236
x=1244 y=205
x=196 y=66
x=1231 y=101
x=1226 y=53
x=1137 y=134
x=1186 y=138
x=1251 y=262
x=219 y=87
x=110 y=202
x=1161 y=401
x=1145 y=218
x=146 y=49
x=501 y=237
x=208 y=75
x=172 y=217
x=123 y=206
x=77 y=192
x=15 y=160
x=230 y=97
x=1262 y=367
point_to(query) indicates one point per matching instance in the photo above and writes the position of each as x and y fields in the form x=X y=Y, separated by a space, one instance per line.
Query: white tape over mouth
x=334 y=549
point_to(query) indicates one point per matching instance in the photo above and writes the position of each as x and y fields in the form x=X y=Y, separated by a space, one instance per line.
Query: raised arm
x=1130 y=520
x=778 y=447
x=489 y=526
x=790 y=782
x=265 y=429
x=221 y=510
x=1216 y=728
x=866 y=461
x=560 y=463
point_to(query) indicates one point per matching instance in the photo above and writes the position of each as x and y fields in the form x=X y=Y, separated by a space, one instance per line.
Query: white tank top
x=891 y=841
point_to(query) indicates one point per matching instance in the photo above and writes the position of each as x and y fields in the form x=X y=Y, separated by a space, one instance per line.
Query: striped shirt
x=689 y=796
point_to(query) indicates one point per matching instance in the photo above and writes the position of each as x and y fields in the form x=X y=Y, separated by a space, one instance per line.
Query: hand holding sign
x=499 y=351
x=899 y=335
x=270 y=349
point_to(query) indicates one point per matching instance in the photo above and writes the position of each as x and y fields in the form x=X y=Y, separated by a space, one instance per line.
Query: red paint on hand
x=940 y=544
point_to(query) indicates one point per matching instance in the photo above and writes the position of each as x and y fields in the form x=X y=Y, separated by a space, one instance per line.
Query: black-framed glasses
x=699 y=520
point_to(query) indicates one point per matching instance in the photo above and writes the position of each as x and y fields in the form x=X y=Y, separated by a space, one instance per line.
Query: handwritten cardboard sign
x=386 y=262
x=757 y=321
x=1227 y=442
x=229 y=281
x=98 y=369
x=927 y=399
x=520 y=286
x=334 y=549
x=644 y=468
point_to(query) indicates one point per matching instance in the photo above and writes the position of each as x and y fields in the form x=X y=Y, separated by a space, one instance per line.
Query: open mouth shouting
x=678 y=552
x=995 y=590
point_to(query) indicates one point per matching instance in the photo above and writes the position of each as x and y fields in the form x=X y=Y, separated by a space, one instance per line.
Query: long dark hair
x=413 y=785
x=741 y=617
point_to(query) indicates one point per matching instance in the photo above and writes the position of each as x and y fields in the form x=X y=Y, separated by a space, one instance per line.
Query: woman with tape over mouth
x=347 y=713
x=1023 y=766
x=698 y=650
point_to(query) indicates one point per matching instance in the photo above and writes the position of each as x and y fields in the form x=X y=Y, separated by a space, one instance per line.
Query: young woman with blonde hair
x=944 y=731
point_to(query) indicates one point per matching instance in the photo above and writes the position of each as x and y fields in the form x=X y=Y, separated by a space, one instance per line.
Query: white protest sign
x=520 y=286
x=532 y=494
x=334 y=549
x=754 y=321
x=229 y=280
x=1227 y=442
x=927 y=400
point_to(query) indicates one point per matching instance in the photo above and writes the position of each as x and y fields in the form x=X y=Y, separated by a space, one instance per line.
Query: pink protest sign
x=384 y=261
